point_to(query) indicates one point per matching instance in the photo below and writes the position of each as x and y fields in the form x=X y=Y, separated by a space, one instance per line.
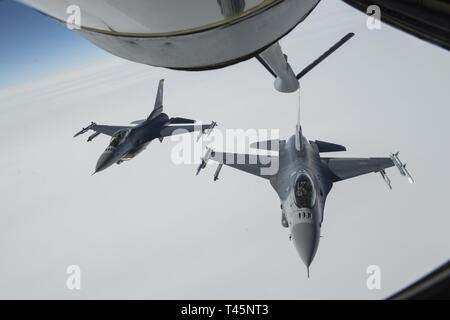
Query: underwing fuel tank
x=182 y=34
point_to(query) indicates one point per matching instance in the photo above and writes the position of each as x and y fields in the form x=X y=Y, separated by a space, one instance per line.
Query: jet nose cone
x=306 y=240
x=105 y=160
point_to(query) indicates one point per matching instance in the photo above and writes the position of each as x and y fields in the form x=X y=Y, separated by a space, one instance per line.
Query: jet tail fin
x=179 y=120
x=298 y=129
x=159 y=101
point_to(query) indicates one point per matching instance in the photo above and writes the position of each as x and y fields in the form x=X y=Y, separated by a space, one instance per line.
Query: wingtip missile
x=407 y=174
x=207 y=132
x=199 y=135
x=401 y=167
x=211 y=128
x=204 y=159
x=411 y=179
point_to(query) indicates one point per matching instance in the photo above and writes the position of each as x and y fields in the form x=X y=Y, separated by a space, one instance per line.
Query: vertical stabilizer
x=298 y=129
x=159 y=101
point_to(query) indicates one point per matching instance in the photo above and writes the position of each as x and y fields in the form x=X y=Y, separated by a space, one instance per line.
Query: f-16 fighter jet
x=303 y=178
x=128 y=141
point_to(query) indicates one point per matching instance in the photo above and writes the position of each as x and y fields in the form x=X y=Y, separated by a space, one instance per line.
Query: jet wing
x=158 y=102
x=259 y=165
x=172 y=129
x=108 y=130
x=101 y=129
x=346 y=168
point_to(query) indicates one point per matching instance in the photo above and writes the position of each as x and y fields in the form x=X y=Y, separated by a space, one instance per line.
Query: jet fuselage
x=302 y=183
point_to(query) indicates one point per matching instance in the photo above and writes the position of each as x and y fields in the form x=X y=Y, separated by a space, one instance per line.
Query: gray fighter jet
x=128 y=141
x=303 y=178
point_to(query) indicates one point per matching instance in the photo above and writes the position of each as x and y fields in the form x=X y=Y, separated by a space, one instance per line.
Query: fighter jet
x=303 y=178
x=128 y=141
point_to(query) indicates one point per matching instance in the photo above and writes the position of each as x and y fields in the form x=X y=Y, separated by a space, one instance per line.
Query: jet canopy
x=305 y=194
x=119 y=137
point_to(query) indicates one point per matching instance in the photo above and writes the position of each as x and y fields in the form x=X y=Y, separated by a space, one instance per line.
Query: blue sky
x=33 y=46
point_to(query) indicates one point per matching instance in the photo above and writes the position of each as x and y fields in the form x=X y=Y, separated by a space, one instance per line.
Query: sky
x=150 y=229
x=34 y=46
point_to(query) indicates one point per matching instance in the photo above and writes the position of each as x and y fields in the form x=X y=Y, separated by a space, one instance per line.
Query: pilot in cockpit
x=304 y=192
x=118 y=138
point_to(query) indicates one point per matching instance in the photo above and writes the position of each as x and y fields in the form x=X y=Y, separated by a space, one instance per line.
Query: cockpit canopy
x=118 y=138
x=305 y=194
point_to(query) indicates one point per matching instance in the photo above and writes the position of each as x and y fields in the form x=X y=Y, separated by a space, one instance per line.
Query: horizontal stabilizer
x=259 y=165
x=270 y=145
x=137 y=122
x=175 y=129
x=181 y=120
x=329 y=147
